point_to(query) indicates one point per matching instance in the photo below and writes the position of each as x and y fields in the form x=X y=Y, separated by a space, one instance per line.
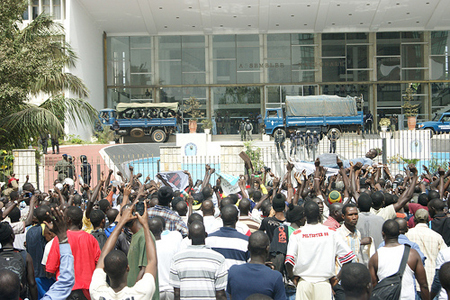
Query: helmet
x=64 y=156
x=308 y=131
x=83 y=158
x=333 y=130
x=69 y=157
x=248 y=120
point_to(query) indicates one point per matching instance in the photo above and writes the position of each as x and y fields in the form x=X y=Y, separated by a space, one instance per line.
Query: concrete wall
x=86 y=40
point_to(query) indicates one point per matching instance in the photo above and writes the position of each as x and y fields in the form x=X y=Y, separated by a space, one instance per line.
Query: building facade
x=238 y=70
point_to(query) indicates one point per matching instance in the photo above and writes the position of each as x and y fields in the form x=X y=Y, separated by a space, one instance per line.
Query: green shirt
x=137 y=257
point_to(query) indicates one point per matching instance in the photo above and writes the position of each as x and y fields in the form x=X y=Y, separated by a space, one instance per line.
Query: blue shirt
x=61 y=289
x=35 y=247
x=402 y=239
x=242 y=281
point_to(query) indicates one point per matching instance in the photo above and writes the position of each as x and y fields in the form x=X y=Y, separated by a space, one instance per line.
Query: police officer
x=294 y=138
x=333 y=136
x=85 y=170
x=279 y=142
x=242 y=129
x=248 y=130
x=308 y=142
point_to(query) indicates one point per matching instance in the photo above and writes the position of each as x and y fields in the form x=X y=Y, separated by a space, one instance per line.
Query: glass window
x=302 y=39
x=389 y=95
x=358 y=75
x=141 y=60
x=193 y=59
x=412 y=36
x=333 y=44
x=281 y=72
x=224 y=46
x=248 y=77
x=248 y=59
x=273 y=96
x=439 y=66
x=118 y=57
x=357 y=37
x=388 y=68
x=193 y=41
x=194 y=78
x=440 y=95
x=25 y=14
x=303 y=76
x=247 y=40
x=170 y=72
x=412 y=55
x=170 y=47
x=140 y=42
x=333 y=69
x=141 y=95
x=57 y=9
x=278 y=46
x=46 y=6
x=224 y=71
x=439 y=42
x=117 y=95
x=357 y=56
x=35 y=8
x=303 y=58
x=388 y=43
x=413 y=74
x=238 y=103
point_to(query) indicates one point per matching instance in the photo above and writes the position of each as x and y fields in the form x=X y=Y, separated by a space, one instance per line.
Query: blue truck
x=438 y=124
x=157 y=120
x=316 y=113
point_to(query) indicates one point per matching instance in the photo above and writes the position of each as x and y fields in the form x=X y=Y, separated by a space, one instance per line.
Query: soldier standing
x=248 y=130
x=242 y=129
x=279 y=142
x=333 y=136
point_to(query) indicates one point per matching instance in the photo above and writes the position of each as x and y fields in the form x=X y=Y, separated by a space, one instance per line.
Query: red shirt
x=85 y=251
x=332 y=223
x=413 y=207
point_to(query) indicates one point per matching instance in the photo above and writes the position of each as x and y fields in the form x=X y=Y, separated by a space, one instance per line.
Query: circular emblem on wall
x=190 y=149
x=416 y=146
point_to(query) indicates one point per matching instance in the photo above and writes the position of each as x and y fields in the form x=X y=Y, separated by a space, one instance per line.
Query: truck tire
x=137 y=132
x=159 y=136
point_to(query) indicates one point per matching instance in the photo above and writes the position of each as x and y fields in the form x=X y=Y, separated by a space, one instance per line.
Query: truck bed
x=144 y=123
x=292 y=121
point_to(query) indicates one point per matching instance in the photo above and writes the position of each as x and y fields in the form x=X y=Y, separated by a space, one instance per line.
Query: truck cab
x=442 y=125
x=273 y=120
x=107 y=116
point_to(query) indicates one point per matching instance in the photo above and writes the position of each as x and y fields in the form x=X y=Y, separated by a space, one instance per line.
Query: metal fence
x=398 y=149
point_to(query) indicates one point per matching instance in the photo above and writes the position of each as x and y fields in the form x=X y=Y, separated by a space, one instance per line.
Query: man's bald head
x=9 y=285
x=226 y=201
x=402 y=224
x=208 y=208
x=336 y=211
x=156 y=226
x=258 y=243
x=244 y=206
x=229 y=215
x=197 y=233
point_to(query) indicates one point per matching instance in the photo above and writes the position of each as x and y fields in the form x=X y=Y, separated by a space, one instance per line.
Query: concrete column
x=318 y=56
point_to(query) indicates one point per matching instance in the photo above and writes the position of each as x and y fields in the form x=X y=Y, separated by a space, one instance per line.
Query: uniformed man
x=333 y=136
x=248 y=130
x=242 y=129
x=279 y=142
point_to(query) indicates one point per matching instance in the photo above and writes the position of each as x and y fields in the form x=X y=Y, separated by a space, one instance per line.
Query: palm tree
x=34 y=63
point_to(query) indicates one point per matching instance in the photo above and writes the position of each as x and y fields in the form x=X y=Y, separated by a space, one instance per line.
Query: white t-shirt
x=166 y=248
x=47 y=248
x=312 y=250
x=387 y=213
x=142 y=290
x=442 y=258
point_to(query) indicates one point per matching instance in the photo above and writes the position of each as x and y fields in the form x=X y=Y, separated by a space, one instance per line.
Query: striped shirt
x=198 y=272
x=231 y=244
x=251 y=223
x=312 y=250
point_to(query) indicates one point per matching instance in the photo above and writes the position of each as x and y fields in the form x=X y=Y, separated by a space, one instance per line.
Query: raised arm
x=406 y=195
x=94 y=195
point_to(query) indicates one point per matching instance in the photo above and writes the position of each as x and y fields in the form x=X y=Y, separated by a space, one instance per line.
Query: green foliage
x=192 y=107
x=408 y=161
x=105 y=136
x=207 y=124
x=74 y=139
x=435 y=164
x=6 y=163
x=255 y=154
x=411 y=110
x=33 y=60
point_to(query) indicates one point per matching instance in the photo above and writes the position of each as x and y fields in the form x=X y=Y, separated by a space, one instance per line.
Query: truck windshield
x=272 y=114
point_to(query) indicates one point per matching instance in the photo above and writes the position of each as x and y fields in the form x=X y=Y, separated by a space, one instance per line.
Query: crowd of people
x=362 y=233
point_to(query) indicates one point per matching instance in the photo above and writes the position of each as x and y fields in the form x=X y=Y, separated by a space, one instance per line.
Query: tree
x=33 y=61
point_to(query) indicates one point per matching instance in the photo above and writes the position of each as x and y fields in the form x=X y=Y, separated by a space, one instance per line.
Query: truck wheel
x=137 y=132
x=159 y=136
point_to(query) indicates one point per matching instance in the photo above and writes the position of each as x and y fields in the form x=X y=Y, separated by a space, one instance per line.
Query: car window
x=272 y=114
x=445 y=119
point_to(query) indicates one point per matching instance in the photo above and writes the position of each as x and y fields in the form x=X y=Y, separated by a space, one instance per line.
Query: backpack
x=16 y=261
x=390 y=287
x=100 y=236
x=248 y=127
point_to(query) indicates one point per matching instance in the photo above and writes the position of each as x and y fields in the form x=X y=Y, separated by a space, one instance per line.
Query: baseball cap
x=421 y=215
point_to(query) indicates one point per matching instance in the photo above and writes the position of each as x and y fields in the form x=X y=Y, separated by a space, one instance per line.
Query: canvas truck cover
x=124 y=106
x=319 y=106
